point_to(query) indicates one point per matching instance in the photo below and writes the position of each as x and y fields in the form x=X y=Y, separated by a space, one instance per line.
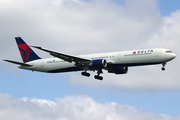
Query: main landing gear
x=96 y=76
x=163 y=66
x=85 y=74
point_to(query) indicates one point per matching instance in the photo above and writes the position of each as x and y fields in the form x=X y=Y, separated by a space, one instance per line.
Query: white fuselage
x=114 y=59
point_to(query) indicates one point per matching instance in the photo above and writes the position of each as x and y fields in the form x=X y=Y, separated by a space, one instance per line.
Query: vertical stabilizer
x=26 y=52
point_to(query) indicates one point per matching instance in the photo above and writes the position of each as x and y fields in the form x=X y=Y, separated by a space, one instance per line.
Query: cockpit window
x=168 y=51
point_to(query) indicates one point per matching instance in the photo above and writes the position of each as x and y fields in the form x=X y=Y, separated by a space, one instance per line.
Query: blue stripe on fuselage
x=131 y=64
x=110 y=66
x=70 y=69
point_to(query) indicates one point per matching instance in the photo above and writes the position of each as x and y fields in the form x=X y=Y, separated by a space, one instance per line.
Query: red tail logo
x=26 y=52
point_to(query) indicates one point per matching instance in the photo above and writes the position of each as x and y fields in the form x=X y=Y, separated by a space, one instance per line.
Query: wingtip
x=36 y=47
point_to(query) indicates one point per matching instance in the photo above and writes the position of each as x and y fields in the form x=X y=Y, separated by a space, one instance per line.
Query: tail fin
x=26 y=52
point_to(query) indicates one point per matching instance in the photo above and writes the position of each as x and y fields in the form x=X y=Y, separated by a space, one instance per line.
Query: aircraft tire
x=98 y=77
x=163 y=69
x=85 y=74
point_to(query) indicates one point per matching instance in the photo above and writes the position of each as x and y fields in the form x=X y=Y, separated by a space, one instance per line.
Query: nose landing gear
x=163 y=67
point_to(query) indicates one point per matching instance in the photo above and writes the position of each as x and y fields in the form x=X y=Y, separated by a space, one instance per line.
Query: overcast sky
x=82 y=27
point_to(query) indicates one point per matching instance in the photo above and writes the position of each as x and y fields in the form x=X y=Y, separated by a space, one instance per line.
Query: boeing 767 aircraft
x=113 y=62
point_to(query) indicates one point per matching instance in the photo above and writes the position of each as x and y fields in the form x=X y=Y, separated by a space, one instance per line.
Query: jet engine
x=121 y=70
x=99 y=63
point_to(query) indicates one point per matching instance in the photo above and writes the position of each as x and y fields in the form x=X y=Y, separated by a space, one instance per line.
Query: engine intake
x=99 y=63
x=121 y=70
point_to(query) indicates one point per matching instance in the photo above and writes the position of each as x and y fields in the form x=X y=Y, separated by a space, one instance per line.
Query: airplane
x=113 y=62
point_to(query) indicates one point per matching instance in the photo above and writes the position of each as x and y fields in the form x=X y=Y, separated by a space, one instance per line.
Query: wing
x=69 y=58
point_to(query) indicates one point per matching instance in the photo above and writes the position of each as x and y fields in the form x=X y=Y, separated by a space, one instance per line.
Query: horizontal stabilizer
x=19 y=63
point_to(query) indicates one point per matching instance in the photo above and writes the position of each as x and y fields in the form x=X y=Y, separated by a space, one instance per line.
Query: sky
x=82 y=27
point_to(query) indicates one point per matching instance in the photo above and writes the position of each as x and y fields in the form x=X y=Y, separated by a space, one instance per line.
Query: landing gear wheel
x=163 y=66
x=98 y=77
x=85 y=74
x=163 y=69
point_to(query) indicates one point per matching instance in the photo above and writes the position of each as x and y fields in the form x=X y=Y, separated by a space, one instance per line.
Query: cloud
x=79 y=27
x=167 y=35
x=149 y=78
x=71 y=107
x=67 y=25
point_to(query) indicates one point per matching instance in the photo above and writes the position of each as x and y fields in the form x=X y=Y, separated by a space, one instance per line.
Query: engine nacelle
x=100 y=63
x=121 y=70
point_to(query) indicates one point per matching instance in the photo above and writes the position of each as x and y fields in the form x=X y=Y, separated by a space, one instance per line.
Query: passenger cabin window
x=168 y=51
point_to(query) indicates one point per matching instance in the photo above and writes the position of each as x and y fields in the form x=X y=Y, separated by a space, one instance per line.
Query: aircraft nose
x=173 y=55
